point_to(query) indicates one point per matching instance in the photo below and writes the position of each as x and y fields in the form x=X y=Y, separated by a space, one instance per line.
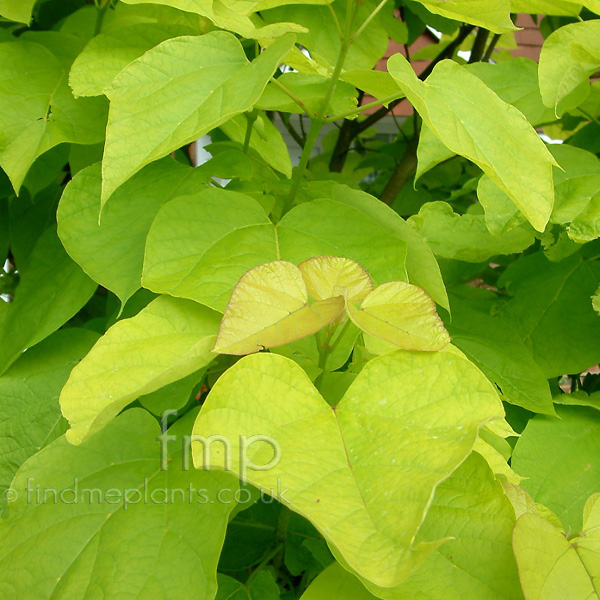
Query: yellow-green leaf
x=177 y=92
x=491 y=14
x=566 y=66
x=166 y=341
x=269 y=307
x=401 y=314
x=328 y=276
x=471 y=120
x=554 y=567
x=364 y=471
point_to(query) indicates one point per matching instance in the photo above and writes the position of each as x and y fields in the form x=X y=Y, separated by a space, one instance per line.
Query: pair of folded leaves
x=270 y=307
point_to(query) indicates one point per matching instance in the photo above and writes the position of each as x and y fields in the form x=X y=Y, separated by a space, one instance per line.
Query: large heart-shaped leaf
x=105 y=518
x=364 y=471
x=175 y=93
x=166 y=341
x=111 y=250
x=471 y=508
x=237 y=235
x=199 y=246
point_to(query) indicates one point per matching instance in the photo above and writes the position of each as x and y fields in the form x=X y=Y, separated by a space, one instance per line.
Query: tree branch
x=478 y=49
x=351 y=129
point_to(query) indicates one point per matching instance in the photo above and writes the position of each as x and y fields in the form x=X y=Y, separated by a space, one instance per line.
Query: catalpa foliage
x=329 y=362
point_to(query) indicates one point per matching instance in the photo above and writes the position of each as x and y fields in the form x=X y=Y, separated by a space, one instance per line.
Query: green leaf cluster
x=318 y=360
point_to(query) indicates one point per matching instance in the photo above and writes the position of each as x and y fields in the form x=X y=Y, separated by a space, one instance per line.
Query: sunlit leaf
x=177 y=92
x=111 y=250
x=471 y=120
x=269 y=307
x=327 y=276
x=106 y=516
x=407 y=422
x=166 y=341
x=491 y=14
x=401 y=314
x=52 y=289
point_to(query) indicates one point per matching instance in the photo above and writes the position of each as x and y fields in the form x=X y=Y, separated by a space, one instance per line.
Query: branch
x=447 y=52
x=491 y=47
x=478 y=49
x=404 y=171
x=351 y=129
x=295 y=135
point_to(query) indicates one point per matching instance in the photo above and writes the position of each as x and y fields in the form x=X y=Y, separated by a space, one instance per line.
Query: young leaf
x=177 y=92
x=401 y=314
x=52 y=290
x=166 y=341
x=406 y=423
x=328 y=276
x=112 y=251
x=105 y=516
x=269 y=307
x=569 y=56
x=472 y=121
x=491 y=14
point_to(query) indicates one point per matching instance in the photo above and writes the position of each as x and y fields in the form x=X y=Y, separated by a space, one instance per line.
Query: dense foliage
x=371 y=375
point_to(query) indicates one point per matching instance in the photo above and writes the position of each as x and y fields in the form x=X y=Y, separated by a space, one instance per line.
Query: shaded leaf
x=29 y=413
x=560 y=459
x=52 y=289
